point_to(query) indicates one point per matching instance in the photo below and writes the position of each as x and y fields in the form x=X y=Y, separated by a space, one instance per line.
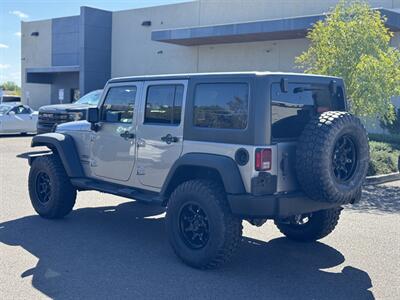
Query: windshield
x=91 y=98
x=4 y=109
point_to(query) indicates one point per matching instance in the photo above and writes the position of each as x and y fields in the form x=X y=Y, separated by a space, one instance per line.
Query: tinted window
x=119 y=104
x=19 y=110
x=164 y=104
x=292 y=110
x=221 y=105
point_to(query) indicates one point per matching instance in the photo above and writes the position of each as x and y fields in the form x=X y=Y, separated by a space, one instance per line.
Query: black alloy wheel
x=344 y=159
x=43 y=187
x=194 y=227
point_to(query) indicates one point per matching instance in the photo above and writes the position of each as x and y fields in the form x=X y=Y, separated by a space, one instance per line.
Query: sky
x=13 y=12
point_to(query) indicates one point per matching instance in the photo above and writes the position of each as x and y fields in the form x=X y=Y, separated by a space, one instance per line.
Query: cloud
x=18 y=33
x=4 y=66
x=3 y=46
x=19 y=14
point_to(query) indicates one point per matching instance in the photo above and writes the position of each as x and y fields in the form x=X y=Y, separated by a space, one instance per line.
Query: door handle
x=169 y=139
x=127 y=135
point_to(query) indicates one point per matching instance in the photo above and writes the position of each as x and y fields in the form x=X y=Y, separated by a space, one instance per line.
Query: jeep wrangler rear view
x=214 y=149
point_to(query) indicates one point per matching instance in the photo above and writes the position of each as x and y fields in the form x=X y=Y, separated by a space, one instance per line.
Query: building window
x=164 y=104
x=119 y=104
x=221 y=105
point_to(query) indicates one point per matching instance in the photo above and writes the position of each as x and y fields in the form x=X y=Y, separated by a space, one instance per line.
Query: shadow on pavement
x=123 y=252
x=379 y=199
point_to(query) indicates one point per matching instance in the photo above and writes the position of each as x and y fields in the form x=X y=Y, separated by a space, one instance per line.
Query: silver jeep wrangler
x=214 y=149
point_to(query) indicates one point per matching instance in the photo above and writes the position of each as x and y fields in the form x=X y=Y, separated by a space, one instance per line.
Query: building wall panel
x=35 y=52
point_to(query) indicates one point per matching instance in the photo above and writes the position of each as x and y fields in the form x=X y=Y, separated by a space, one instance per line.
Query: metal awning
x=45 y=74
x=264 y=30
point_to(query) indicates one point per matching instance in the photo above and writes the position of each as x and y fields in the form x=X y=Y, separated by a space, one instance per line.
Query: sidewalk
x=392 y=184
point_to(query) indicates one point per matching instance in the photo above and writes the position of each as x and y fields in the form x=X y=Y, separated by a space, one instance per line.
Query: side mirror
x=92 y=116
x=11 y=113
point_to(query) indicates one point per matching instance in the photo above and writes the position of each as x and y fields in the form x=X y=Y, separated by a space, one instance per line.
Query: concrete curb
x=378 y=179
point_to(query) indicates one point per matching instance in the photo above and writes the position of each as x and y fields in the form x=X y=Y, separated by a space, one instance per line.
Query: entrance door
x=160 y=130
x=113 y=148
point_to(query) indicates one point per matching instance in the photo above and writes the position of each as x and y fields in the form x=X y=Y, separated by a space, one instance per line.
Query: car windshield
x=91 y=98
x=4 y=109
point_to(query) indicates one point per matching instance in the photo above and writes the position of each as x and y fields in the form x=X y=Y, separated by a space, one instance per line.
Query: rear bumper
x=274 y=206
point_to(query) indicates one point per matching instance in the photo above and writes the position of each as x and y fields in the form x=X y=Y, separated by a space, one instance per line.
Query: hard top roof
x=211 y=74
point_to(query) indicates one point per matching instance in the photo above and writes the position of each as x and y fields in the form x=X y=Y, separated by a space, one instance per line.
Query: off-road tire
x=320 y=224
x=62 y=194
x=225 y=230
x=314 y=157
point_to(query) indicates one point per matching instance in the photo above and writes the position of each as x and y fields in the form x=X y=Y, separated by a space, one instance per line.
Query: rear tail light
x=263 y=159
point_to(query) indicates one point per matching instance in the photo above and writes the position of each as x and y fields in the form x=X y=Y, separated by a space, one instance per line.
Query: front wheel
x=309 y=227
x=50 y=189
x=201 y=228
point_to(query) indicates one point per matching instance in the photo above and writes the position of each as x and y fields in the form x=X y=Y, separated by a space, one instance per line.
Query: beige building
x=63 y=58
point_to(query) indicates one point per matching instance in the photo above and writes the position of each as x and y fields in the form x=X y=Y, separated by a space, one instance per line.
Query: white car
x=17 y=118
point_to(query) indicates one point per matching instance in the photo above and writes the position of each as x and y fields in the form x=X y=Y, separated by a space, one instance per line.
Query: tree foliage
x=353 y=43
x=11 y=87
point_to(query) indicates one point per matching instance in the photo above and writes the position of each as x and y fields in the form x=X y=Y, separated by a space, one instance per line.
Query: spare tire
x=332 y=158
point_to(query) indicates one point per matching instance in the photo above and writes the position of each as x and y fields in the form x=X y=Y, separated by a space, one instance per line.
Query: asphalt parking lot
x=109 y=247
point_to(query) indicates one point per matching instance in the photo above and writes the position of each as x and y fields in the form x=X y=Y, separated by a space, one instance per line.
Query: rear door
x=292 y=110
x=160 y=130
x=113 y=146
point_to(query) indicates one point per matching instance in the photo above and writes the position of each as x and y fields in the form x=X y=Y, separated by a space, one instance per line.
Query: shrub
x=394 y=127
x=384 y=158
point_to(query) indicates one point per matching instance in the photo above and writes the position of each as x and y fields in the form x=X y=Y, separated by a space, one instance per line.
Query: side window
x=19 y=110
x=221 y=105
x=164 y=104
x=119 y=105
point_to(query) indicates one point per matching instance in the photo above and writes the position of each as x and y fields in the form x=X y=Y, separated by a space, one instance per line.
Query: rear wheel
x=309 y=227
x=50 y=190
x=201 y=228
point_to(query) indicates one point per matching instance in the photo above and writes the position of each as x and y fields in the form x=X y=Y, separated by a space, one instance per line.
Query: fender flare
x=64 y=145
x=224 y=165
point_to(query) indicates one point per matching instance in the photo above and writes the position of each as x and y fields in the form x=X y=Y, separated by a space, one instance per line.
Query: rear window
x=221 y=105
x=11 y=99
x=292 y=110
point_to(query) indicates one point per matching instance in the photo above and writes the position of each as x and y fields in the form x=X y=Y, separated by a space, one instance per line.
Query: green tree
x=353 y=43
x=11 y=87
